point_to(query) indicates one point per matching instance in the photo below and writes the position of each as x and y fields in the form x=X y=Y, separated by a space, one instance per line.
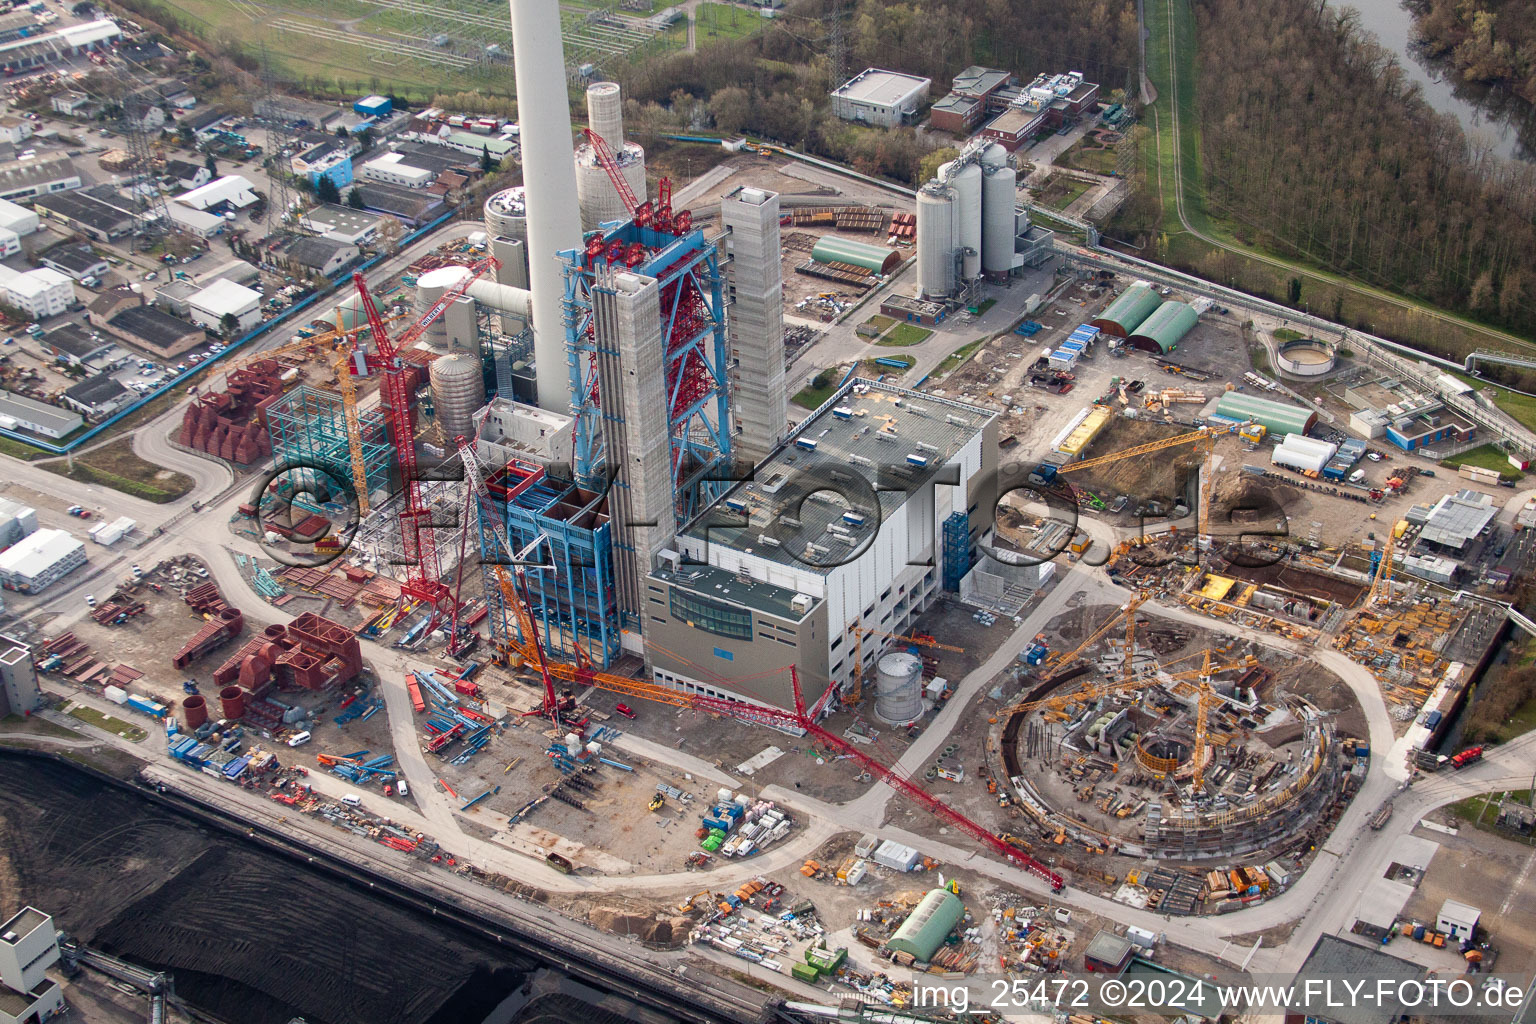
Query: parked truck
x=1471 y=755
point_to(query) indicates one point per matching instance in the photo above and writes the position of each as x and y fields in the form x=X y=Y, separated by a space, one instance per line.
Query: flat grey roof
x=1457 y=518
x=26 y=921
x=872 y=443
x=720 y=585
x=1335 y=957
x=886 y=88
x=151 y=326
x=24 y=408
x=79 y=258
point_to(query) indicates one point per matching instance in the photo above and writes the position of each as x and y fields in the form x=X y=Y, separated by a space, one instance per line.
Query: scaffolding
x=687 y=273
x=957 y=550
x=571 y=589
x=309 y=430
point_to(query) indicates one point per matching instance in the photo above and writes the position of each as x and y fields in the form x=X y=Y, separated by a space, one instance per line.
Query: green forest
x=1491 y=42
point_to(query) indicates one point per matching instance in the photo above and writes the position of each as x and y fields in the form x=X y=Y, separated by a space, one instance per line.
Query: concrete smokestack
x=605 y=113
x=553 y=221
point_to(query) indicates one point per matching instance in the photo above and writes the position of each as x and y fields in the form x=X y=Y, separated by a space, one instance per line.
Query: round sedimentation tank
x=232 y=702
x=1306 y=357
x=967 y=185
x=506 y=214
x=899 y=687
x=935 y=241
x=458 y=389
x=194 y=712
x=999 y=193
x=430 y=287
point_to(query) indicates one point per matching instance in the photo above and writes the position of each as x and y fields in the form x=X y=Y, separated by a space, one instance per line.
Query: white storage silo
x=935 y=241
x=506 y=214
x=967 y=185
x=999 y=193
x=899 y=687
x=995 y=155
x=430 y=287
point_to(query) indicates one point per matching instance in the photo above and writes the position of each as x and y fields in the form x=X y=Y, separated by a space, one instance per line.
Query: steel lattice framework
x=687 y=271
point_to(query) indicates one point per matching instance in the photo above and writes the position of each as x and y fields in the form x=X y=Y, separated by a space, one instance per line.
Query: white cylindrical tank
x=998 y=196
x=458 y=389
x=935 y=241
x=596 y=197
x=605 y=113
x=506 y=214
x=430 y=287
x=899 y=687
x=995 y=155
x=967 y=185
x=554 y=224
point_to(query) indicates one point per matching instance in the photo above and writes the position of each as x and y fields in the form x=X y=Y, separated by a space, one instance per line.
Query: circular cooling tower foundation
x=1162 y=754
x=899 y=688
x=1307 y=357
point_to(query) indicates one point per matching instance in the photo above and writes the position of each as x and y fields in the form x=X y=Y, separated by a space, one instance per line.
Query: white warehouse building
x=775 y=574
x=17 y=218
x=43 y=292
x=884 y=99
x=208 y=307
x=393 y=169
x=39 y=560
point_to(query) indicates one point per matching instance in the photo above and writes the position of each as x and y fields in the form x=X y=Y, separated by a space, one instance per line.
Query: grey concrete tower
x=756 y=279
x=627 y=322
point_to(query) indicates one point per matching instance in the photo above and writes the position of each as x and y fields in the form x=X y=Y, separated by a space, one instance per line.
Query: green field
x=1088 y=156
x=1062 y=192
x=724 y=21
x=1487 y=456
x=1482 y=811
x=881 y=323
x=116 y=466
x=811 y=397
x=904 y=334
x=106 y=723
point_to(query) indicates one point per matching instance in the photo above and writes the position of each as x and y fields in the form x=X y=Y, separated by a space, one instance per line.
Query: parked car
x=152 y=275
x=298 y=739
x=625 y=710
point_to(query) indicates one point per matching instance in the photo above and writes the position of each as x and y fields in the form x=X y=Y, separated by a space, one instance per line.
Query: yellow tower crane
x=1381 y=583
x=856 y=688
x=1205 y=701
x=1057 y=661
x=1204 y=436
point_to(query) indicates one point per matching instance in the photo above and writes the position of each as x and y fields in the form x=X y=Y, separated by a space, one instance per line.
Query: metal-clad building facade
x=1165 y=328
x=1276 y=417
x=1126 y=313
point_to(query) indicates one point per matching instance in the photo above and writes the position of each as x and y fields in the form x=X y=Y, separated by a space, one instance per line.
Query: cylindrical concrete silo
x=967 y=185
x=998 y=196
x=899 y=687
x=506 y=214
x=596 y=197
x=935 y=241
x=458 y=389
x=605 y=113
x=995 y=155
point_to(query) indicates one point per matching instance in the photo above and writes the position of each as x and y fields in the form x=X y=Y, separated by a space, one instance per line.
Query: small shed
x=929 y=924
x=1457 y=920
x=1108 y=953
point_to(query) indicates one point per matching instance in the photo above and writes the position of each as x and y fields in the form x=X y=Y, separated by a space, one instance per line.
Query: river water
x=250 y=936
x=1392 y=24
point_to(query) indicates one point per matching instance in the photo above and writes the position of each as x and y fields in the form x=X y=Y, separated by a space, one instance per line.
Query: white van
x=299 y=739
x=352 y=800
x=403 y=788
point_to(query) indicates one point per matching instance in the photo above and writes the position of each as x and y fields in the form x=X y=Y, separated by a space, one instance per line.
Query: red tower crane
x=424 y=573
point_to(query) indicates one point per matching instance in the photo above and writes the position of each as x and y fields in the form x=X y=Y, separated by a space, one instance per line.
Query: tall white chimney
x=553 y=221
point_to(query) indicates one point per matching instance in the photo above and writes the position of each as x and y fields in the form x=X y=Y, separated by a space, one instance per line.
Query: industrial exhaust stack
x=553 y=222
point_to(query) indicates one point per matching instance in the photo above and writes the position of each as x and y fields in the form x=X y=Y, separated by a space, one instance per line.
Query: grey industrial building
x=324 y=256
x=778 y=573
x=884 y=99
x=149 y=328
x=19 y=411
x=97 y=397
x=29 y=946
x=77 y=261
x=40 y=176
x=756 y=282
x=99 y=213
x=73 y=344
x=16 y=521
x=19 y=692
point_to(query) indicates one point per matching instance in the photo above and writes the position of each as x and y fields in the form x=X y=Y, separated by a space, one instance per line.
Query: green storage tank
x=1165 y=328
x=926 y=928
x=1276 y=417
x=1126 y=313
x=875 y=258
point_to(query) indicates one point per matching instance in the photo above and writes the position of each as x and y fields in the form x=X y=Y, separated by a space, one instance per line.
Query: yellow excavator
x=658 y=802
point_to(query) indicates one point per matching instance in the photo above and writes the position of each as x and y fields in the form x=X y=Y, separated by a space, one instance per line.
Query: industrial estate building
x=19 y=692
x=39 y=560
x=29 y=947
x=883 y=99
